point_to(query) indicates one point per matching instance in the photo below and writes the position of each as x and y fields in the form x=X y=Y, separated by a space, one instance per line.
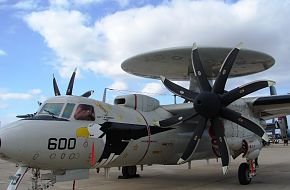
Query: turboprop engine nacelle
x=138 y=102
x=251 y=148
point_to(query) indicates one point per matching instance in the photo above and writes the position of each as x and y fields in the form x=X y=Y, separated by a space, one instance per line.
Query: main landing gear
x=129 y=172
x=247 y=171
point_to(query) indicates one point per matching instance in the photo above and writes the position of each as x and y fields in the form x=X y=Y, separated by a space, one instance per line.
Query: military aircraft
x=69 y=135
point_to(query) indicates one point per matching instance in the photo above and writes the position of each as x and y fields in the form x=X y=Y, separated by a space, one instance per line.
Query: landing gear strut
x=35 y=179
x=40 y=183
x=246 y=172
x=129 y=172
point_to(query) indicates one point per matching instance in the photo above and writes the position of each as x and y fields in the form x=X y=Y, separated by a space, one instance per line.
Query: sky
x=41 y=38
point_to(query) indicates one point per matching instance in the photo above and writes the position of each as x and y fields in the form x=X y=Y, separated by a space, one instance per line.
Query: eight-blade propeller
x=70 y=87
x=210 y=105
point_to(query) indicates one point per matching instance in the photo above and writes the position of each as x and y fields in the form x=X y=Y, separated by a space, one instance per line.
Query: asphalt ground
x=273 y=173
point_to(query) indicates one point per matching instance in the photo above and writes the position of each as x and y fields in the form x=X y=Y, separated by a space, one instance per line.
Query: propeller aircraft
x=69 y=135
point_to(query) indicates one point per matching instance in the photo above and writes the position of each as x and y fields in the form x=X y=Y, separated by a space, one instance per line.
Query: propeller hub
x=207 y=104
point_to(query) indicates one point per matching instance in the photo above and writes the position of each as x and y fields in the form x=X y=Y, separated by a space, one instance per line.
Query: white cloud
x=63 y=4
x=26 y=5
x=19 y=96
x=5 y=119
x=154 y=88
x=119 y=85
x=101 y=47
x=69 y=3
x=74 y=43
x=87 y=2
x=4 y=106
x=2 y=53
x=15 y=96
x=59 y=4
x=35 y=91
x=184 y=84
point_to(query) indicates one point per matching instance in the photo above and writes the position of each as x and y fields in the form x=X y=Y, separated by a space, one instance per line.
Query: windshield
x=68 y=110
x=51 y=109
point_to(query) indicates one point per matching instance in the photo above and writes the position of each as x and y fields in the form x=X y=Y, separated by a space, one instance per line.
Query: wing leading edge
x=269 y=107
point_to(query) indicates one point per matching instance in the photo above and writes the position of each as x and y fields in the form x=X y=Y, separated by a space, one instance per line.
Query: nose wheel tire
x=129 y=172
x=244 y=174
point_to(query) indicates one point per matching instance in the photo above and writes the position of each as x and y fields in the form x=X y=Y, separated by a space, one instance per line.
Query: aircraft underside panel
x=126 y=144
x=164 y=148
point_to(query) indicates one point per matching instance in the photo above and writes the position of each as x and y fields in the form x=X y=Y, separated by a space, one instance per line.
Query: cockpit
x=68 y=110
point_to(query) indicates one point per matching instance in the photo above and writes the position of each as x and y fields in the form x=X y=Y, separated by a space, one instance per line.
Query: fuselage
x=58 y=138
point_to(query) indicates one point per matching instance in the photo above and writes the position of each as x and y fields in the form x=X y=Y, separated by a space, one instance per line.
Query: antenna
x=104 y=95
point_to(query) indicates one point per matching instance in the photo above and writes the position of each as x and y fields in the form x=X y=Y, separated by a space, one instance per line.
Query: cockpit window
x=68 y=110
x=85 y=112
x=52 y=109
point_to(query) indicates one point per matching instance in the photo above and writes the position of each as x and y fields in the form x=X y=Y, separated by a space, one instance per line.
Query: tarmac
x=273 y=173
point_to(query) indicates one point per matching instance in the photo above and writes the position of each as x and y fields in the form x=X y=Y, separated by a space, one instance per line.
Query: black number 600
x=61 y=144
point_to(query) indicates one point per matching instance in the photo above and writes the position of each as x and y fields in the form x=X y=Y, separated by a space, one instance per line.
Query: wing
x=269 y=107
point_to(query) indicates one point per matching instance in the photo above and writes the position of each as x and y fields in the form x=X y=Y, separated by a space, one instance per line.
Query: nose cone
x=2 y=147
x=8 y=142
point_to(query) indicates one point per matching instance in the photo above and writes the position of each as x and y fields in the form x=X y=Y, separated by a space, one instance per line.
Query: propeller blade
x=222 y=144
x=87 y=94
x=225 y=70
x=193 y=143
x=244 y=122
x=244 y=90
x=55 y=87
x=198 y=70
x=178 y=90
x=178 y=118
x=71 y=83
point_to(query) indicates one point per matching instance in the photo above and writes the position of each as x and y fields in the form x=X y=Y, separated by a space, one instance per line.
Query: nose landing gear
x=40 y=182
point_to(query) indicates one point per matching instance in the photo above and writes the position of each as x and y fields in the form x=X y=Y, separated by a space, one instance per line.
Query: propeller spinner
x=210 y=105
